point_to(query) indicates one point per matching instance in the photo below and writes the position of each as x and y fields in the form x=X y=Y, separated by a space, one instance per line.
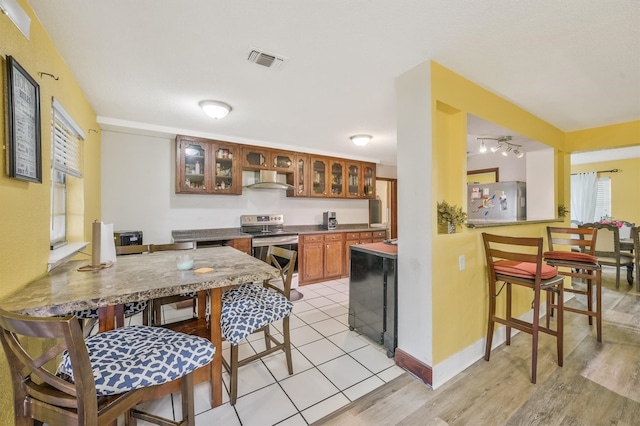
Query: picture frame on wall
x=24 y=156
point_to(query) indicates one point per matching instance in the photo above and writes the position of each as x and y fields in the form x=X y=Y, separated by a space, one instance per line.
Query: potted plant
x=450 y=217
x=562 y=210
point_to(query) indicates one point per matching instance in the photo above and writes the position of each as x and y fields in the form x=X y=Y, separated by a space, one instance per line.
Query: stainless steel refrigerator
x=497 y=202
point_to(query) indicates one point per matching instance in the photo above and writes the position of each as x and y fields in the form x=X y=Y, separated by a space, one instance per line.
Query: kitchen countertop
x=225 y=234
x=378 y=249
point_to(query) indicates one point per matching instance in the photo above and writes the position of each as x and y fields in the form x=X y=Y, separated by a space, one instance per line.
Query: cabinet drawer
x=366 y=235
x=353 y=235
x=333 y=237
x=313 y=238
x=379 y=234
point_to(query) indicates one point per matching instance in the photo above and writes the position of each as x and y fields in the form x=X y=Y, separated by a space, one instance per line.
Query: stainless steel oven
x=268 y=230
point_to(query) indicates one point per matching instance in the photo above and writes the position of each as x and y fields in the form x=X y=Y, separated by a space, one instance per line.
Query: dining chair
x=635 y=235
x=98 y=379
x=518 y=261
x=158 y=303
x=579 y=261
x=251 y=308
x=608 y=249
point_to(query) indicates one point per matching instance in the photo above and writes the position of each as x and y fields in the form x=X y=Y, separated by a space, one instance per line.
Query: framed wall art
x=24 y=156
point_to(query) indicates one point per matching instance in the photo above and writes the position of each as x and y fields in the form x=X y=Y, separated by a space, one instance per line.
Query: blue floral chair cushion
x=130 y=309
x=139 y=356
x=248 y=308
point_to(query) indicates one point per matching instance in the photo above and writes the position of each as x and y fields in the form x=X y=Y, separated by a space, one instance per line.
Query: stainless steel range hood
x=268 y=179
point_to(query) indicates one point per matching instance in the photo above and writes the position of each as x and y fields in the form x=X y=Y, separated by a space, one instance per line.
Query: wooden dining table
x=143 y=277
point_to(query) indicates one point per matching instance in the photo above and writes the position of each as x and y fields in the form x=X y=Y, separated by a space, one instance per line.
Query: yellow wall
x=24 y=222
x=625 y=203
x=460 y=297
x=613 y=136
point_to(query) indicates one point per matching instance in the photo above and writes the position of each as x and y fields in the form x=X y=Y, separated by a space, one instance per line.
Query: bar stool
x=518 y=260
x=580 y=262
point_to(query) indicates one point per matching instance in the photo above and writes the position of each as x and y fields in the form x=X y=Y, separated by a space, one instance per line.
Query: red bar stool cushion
x=523 y=269
x=570 y=256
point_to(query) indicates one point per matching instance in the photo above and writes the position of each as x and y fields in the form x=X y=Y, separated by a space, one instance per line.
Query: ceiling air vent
x=265 y=59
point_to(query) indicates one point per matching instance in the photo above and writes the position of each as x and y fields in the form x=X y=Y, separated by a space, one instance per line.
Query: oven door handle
x=273 y=241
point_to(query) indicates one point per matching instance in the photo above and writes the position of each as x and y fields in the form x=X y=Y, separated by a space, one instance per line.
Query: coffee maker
x=329 y=220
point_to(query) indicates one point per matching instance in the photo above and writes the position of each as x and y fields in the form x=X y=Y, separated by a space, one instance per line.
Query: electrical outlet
x=461 y=262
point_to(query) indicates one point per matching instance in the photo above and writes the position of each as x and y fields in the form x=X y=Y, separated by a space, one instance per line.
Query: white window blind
x=603 y=198
x=67 y=136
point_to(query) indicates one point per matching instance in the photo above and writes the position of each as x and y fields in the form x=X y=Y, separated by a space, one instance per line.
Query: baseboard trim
x=414 y=366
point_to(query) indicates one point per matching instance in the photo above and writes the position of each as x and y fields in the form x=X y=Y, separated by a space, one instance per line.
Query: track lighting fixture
x=503 y=146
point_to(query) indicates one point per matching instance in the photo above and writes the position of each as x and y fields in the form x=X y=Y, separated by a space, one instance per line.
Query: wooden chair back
x=40 y=394
x=608 y=243
x=284 y=260
x=581 y=239
x=190 y=245
x=520 y=249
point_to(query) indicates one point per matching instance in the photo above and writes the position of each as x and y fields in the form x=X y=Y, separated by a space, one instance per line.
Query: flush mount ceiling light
x=503 y=144
x=360 y=140
x=215 y=109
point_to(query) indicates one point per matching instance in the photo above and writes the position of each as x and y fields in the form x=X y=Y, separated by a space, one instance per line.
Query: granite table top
x=134 y=278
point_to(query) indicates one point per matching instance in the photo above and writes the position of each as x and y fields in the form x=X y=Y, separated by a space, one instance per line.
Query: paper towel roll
x=103 y=248
x=107 y=244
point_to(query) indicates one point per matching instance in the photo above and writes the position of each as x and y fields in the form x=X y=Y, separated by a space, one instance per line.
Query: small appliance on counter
x=128 y=238
x=329 y=220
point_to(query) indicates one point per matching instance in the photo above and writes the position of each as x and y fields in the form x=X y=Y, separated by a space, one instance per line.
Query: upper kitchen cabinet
x=205 y=166
x=193 y=156
x=369 y=180
x=300 y=177
x=320 y=174
x=256 y=158
x=337 y=178
x=283 y=162
x=259 y=158
x=328 y=177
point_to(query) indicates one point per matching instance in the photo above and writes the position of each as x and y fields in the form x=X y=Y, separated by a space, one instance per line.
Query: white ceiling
x=146 y=64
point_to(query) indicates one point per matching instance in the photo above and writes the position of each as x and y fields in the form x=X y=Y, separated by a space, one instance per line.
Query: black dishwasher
x=373 y=285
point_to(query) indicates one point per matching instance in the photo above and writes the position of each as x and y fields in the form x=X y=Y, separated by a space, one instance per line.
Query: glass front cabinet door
x=319 y=167
x=369 y=181
x=300 y=177
x=227 y=178
x=337 y=179
x=354 y=180
x=193 y=160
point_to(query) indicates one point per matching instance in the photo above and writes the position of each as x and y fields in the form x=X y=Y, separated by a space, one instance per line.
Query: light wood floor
x=599 y=383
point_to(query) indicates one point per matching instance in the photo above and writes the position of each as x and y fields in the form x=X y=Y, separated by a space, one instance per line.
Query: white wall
x=540 y=185
x=413 y=97
x=510 y=168
x=138 y=193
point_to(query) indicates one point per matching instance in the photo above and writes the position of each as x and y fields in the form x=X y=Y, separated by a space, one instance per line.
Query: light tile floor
x=332 y=367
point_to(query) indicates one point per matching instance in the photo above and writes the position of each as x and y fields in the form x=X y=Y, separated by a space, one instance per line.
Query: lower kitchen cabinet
x=242 y=244
x=321 y=257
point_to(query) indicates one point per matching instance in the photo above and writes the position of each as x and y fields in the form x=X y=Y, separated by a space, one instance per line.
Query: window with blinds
x=603 y=198
x=66 y=138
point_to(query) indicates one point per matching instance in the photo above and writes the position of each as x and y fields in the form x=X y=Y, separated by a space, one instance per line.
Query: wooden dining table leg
x=106 y=318
x=216 y=338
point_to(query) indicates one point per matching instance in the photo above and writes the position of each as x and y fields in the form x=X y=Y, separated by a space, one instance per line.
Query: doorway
x=387 y=194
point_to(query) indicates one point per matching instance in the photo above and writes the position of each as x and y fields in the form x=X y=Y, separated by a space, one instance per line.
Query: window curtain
x=584 y=191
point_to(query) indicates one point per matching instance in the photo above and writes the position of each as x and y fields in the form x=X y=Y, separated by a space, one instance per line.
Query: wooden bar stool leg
x=560 y=325
x=599 y=304
x=589 y=282
x=534 y=334
x=490 y=322
x=508 y=327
